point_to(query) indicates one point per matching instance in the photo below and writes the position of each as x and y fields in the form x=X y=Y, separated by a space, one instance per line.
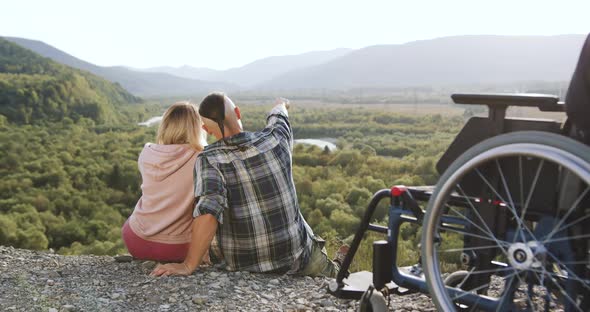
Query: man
x=246 y=195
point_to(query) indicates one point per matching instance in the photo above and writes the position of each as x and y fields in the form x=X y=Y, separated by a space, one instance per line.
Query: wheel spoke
x=504 y=183
x=564 y=293
x=567 y=238
x=559 y=275
x=532 y=189
x=487 y=231
x=478 y=236
x=530 y=302
x=574 y=222
x=480 y=287
x=570 y=274
x=491 y=270
x=511 y=209
x=465 y=278
x=520 y=176
x=574 y=205
x=506 y=189
x=469 y=248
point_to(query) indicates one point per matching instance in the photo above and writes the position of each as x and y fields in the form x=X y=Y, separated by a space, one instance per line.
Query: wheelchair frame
x=404 y=206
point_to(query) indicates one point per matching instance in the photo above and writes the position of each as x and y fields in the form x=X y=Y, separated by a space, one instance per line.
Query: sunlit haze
x=224 y=34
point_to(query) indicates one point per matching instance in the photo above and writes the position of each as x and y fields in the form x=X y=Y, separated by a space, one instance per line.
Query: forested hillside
x=69 y=145
x=37 y=89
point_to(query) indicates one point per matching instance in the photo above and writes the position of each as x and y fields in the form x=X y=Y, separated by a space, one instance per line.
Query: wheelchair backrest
x=478 y=129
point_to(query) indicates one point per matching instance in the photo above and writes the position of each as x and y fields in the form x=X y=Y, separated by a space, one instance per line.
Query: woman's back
x=163 y=213
x=161 y=224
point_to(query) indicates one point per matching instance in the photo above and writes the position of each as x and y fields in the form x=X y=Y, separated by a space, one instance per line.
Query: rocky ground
x=43 y=281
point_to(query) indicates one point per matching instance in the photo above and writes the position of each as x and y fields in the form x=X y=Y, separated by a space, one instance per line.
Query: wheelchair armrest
x=545 y=102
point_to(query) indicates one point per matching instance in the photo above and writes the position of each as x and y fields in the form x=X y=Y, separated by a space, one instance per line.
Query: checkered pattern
x=248 y=186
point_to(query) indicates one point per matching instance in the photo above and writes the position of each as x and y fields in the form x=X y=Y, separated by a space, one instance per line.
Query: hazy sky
x=222 y=34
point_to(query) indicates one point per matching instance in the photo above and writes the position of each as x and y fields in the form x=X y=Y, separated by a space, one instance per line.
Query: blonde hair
x=181 y=124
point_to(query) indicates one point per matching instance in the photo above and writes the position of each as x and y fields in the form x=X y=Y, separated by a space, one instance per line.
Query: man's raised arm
x=278 y=119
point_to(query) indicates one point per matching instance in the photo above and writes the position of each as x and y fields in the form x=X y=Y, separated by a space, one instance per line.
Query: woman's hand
x=170 y=269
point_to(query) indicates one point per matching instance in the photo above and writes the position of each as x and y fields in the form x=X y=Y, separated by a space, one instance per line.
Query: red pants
x=142 y=249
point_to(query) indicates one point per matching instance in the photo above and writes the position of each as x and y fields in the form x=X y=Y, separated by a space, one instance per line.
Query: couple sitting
x=239 y=202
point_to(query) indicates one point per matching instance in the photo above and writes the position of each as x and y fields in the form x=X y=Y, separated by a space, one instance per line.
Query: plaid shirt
x=249 y=188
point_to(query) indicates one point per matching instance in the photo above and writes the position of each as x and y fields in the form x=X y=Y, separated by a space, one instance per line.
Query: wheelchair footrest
x=356 y=284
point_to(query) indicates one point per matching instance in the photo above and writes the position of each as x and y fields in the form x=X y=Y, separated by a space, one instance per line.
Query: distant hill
x=449 y=61
x=443 y=61
x=138 y=83
x=258 y=71
x=34 y=88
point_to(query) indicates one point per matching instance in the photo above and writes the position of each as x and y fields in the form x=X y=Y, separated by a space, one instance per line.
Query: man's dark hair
x=213 y=107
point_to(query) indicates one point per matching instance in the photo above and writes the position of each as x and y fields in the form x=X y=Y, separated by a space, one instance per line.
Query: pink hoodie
x=163 y=214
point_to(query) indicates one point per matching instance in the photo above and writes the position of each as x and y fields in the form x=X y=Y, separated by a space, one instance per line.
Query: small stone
x=123 y=258
x=199 y=300
x=115 y=296
x=68 y=307
x=49 y=274
x=274 y=281
x=164 y=307
x=52 y=310
x=268 y=296
x=300 y=301
x=148 y=265
x=50 y=282
x=215 y=285
x=172 y=300
x=255 y=287
x=317 y=295
x=326 y=303
x=214 y=274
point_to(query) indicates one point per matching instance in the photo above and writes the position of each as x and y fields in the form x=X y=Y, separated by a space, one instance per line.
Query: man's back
x=248 y=186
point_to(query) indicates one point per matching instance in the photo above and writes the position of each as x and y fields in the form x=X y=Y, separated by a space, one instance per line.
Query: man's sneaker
x=341 y=254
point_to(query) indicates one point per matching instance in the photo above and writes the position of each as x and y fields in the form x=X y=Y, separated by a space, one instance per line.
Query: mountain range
x=258 y=72
x=139 y=83
x=458 y=60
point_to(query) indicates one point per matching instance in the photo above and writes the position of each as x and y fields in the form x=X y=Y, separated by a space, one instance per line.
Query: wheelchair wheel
x=513 y=212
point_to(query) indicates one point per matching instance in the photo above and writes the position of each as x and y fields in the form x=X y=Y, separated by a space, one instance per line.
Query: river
x=321 y=143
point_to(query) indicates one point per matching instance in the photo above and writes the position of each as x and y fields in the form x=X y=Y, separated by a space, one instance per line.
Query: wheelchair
x=506 y=227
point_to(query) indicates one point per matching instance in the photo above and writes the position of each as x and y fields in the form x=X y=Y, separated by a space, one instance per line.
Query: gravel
x=44 y=281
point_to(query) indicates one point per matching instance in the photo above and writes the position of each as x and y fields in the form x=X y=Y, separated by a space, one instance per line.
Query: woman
x=160 y=226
